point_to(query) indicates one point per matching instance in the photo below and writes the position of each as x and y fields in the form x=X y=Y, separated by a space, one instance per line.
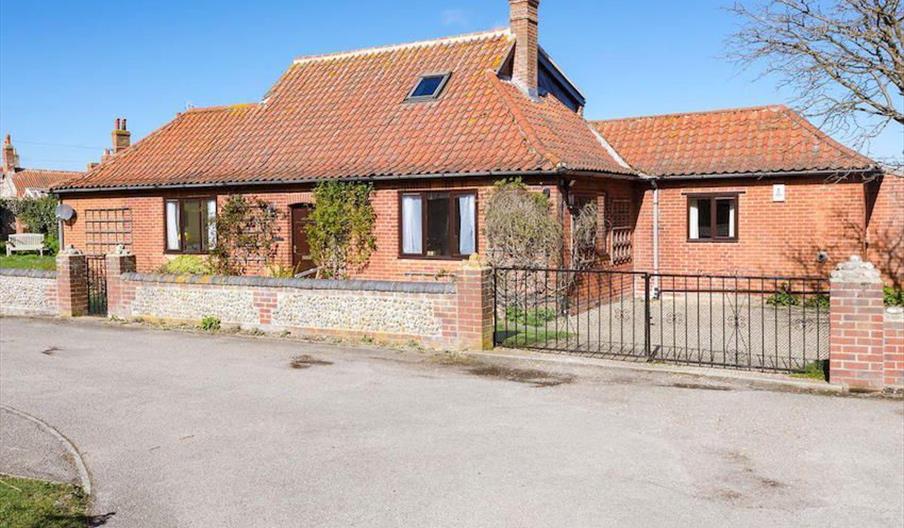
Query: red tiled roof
x=345 y=116
x=735 y=141
x=40 y=179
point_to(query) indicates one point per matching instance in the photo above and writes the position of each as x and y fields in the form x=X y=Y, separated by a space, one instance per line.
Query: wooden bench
x=25 y=242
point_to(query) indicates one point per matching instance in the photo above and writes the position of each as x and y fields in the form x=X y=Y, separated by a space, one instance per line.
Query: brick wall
x=885 y=231
x=385 y=263
x=894 y=347
x=456 y=315
x=28 y=292
x=774 y=238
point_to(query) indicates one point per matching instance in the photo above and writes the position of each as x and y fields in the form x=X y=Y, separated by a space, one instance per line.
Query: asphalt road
x=192 y=430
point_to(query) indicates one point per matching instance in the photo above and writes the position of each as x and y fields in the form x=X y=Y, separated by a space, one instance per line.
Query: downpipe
x=655 y=286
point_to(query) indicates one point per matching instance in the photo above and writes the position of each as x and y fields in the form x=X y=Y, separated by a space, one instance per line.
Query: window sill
x=713 y=241
x=172 y=252
x=440 y=258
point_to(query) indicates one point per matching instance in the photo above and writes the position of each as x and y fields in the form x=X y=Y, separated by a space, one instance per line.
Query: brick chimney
x=524 y=20
x=10 y=158
x=122 y=138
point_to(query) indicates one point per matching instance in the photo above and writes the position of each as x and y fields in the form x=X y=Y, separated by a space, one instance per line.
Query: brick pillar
x=118 y=294
x=72 y=282
x=474 y=299
x=856 y=345
x=894 y=347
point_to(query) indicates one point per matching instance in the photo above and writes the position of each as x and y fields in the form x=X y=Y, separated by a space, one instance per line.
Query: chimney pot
x=10 y=157
x=524 y=20
x=122 y=138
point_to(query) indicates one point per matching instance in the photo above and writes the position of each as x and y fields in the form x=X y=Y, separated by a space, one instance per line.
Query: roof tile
x=345 y=116
x=735 y=141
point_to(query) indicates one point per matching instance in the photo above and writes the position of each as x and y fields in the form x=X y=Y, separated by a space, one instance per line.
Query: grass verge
x=28 y=262
x=26 y=503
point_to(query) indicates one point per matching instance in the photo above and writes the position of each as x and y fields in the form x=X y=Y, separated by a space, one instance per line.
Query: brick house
x=19 y=182
x=433 y=125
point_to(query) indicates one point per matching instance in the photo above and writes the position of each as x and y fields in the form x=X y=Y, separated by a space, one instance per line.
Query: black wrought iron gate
x=749 y=322
x=97 y=284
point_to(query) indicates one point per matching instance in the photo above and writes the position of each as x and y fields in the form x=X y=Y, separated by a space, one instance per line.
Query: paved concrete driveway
x=190 y=430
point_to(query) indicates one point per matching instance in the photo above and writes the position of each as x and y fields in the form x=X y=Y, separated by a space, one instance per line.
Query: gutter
x=559 y=171
x=314 y=181
x=759 y=175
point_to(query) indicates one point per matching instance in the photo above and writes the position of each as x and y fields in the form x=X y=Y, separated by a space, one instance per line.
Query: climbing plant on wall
x=340 y=232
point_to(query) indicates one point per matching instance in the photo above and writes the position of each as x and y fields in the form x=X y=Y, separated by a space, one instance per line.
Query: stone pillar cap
x=855 y=269
x=70 y=251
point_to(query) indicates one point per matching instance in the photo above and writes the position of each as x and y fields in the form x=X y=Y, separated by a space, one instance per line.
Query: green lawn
x=28 y=261
x=520 y=336
x=26 y=503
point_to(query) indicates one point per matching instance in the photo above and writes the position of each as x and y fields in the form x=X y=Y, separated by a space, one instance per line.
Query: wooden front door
x=301 y=250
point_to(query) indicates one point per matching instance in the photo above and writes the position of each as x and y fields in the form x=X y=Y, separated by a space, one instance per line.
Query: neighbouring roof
x=344 y=115
x=764 y=139
x=40 y=179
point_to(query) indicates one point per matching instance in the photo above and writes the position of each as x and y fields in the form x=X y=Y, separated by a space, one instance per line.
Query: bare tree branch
x=843 y=58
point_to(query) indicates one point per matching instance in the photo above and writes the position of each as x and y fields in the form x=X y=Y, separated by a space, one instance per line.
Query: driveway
x=180 y=430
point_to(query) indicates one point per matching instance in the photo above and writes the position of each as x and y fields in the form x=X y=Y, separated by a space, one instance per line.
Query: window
x=429 y=87
x=191 y=225
x=438 y=224
x=712 y=218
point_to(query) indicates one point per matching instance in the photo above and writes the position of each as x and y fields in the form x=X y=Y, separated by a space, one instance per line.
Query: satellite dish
x=65 y=212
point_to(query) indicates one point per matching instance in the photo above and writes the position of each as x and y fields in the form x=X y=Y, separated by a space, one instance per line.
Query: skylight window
x=429 y=87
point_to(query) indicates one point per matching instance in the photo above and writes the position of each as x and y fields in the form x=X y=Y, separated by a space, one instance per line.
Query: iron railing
x=749 y=322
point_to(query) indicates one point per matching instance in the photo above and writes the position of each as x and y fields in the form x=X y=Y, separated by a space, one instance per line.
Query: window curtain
x=412 y=234
x=694 y=221
x=731 y=219
x=466 y=214
x=211 y=223
x=172 y=226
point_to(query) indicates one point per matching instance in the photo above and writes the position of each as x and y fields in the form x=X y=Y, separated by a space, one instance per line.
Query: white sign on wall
x=778 y=192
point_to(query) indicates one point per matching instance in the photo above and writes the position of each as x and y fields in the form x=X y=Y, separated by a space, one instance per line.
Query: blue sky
x=67 y=69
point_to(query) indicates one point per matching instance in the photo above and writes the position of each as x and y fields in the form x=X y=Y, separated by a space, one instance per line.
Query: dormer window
x=429 y=87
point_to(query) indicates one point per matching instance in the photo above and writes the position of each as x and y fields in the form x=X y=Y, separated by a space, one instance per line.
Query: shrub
x=210 y=323
x=784 y=297
x=341 y=229
x=52 y=244
x=247 y=230
x=186 y=265
x=520 y=230
x=893 y=296
x=279 y=271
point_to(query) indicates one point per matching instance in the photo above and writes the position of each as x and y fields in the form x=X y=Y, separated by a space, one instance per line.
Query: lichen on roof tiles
x=345 y=116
